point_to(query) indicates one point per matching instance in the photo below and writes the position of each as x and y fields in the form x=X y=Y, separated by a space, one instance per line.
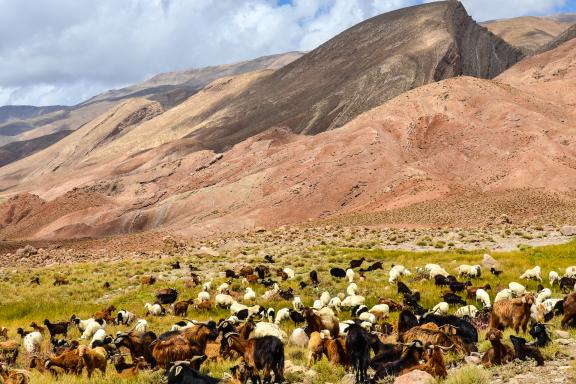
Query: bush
x=468 y=374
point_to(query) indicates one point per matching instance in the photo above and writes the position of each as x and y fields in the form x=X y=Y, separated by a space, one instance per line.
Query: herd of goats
x=253 y=335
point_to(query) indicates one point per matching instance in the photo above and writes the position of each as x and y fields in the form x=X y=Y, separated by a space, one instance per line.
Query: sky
x=65 y=51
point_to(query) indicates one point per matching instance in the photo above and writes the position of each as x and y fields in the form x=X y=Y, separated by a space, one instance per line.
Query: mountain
x=34 y=128
x=397 y=136
x=530 y=33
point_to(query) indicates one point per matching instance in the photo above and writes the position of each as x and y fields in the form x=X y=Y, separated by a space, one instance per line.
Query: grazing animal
x=125 y=317
x=409 y=358
x=406 y=321
x=33 y=342
x=263 y=353
x=356 y=263
x=540 y=334
x=396 y=272
x=94 y=358
x=57 y=328
x=182 y=372
x=495 y=272
x=523 y=351
x=314 y=278
x=532 y=274
x=244 y=373
x=4 y=332
x=452 y=298
x=569 y=310
x=138 y=343
x=269 y=259
x=499 y=353
x=9 y=351
x=435 y=364
x=154 y=309
x=147 y=280
x=403 y=289
x=567 y=284
x=513 y=313
x=464 y=329
x=456 y=286
x=316 y=322
x=358 y=348
x=166 y=295
x=392 y=305
x=60 y=281
x=337 y=272
x=70 y=361
x=444 y=336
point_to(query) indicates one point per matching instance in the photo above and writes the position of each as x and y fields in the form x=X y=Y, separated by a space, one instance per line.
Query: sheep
x=358 y=348
x=181 y=372
x=141 y=326
x=32 y=342
x=546 y=308
x=435 y=270
x=125 y=317
x=299 y=338
x=351 y=289
x=570 y=272
x=517 y=289
x=297 y=303
x=335 y=303
x=249 y=295
x=337 y=272
x=94 y=358
x=483 y=297
x=282 y=315
x=154 y=309
x=92 y=327
x=138 y=343
x=325 y=298
x=350 y=275
x=392 y=305
x=265 y=353
x=468 y=310
x=504 y=294
x=271 y=293
x=206 y=286
x=553 y=277
x=223 y=300
x=223 y=288
x=317 y=304
x=513 y=313
x=289 y=272
x=203 y=296
x=381 y=311
x=99 y=335
x=441 y=308
x=353 y=301
x=237 y=307
x=79 y=323
x=269 y=329
x=396 y=272
x=367 y=317
x=532 y=274
x=499 y=353
x=544 y=294
x=9 y=351
x=567 y=284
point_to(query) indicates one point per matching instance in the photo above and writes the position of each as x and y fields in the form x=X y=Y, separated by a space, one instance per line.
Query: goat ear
x=229 y=340
x=178 y=371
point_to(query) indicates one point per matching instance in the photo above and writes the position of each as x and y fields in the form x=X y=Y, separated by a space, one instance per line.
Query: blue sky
x=65 y=51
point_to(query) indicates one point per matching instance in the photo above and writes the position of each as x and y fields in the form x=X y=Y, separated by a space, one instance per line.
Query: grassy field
x=21 y=302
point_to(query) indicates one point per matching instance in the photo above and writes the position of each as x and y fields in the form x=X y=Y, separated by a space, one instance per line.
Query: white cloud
x=63 y=51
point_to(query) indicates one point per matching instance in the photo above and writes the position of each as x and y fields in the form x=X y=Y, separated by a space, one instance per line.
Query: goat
x=464 y=329
x=60 y=281
x=456 y=286
x=523 y=351
x=125 y=317
x=318 y=322
x=9 y=351
x=452 y=298
x=139 y=344
x=38 y=328
x=358 y=347
x=13 y=376
x=94 y=358
x=263 y=353
x=513 y=313
x=244 y=373
x=69 y=361
x=57 y=328
x=406 y=321
x=409 y=358
x=471 y=291
x=154 y=309
x=434 y=364
x=569 y=310
x=499 y=353
x=181 y=372
x=166 y=295
x=567 y=284
x=125 y=370
x=356 y=263
x=4 y=333
x=444 y=336
x=105 y=314
x=403 y=289
x=314 y=278
x=147 y=280
x=441 y=281
x=181 y=308
x=392 y=305
x=540 y=334
x=337 y=272
x=396 y=272
x=495 y=272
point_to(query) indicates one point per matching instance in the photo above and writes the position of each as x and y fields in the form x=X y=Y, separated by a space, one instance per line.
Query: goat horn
x=446 y=348
x=231 y=334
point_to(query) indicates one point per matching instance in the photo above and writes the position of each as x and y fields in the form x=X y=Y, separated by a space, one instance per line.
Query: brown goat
x=246 y=270
x=444 y=336
x=499 y=353
x=127 y=371
x=38 y=328
x=147 y=280
x=317 y=323
x=435 y=364
x=205 y=306
x=513 y=313
x=181 y=308
x=105 y=314
x=322 y=344
x=471 y=291
x=393 y=305
x=569 y=310
x=138 y=343
x=14 y=376
x=4 y=332
x=60 y=281
x=252 y=278
x=94 y=358
x=70 y=361
x=36 y=362
x=9 y=351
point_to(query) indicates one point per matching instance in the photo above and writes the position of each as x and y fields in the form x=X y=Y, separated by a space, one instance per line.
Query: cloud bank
x=65 y=51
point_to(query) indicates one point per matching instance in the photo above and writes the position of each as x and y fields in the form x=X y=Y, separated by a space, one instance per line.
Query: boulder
x=488 y=261
x=415 y=377
x=568 y=230
x=562 y=334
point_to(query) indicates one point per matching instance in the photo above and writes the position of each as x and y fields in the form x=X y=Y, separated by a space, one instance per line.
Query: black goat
x=441 y=281
x=456 y=286
x=452 y=298
x=180 y=372
x=403 y=289
x=269 y=259
x=495 y=272
x=540 y=334
x=337 y=272
x=286 y=294
x=383 y=352
x=302 y=284
x=175 y=265
x=57 y=328
x=230 y=274
x=166 y=295
x=567 y=284
x=314 y=278
x=296 y=317
x=523 y=351
x=408 y=359
x=464 y=329
x=406 y=321
x=356 y=263
x=267 y=282
x=412 y=302
x=358 y=348
x=375 y=266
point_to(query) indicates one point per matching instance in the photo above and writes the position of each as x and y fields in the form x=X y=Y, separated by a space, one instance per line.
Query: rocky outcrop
x=568 y=35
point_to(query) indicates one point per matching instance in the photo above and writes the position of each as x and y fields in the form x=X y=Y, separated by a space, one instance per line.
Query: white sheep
x=182 y=326
x=469 y=270
x=223 y=288
x=99 y=335
x=353 y=301
x=141 y=326
x=82 y=324
x=125 y=317
x=352 y=289
x=504 y=294
x=282 y=315
x=33 y=342
x=207 y=285
x=532 y=274
x=544 y=294
x=548 y=306
x=223 y=300
x=570 y=271
x=203 y=296
x=367 y=316
x=380 y=310
x=269 y=294
x=350 y=275
x=237 y=307
x=335 y=303
x=325 y=298
x=554 y=277
x=92 y=328
x=367 y=326
x=289 y=272
x=269 y=329
x=317 y=304
x=249 y=295
x=325 y=311
x=517 y=289
x=299 y=338
x=483 y=297
x=441 y=308
x=396 y=272
x=154 y=309
x=297 y=303
x=467 y=310
x=435 y=270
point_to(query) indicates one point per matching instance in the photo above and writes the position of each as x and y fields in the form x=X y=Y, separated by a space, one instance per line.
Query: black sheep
x=314 y=278
x=523 y=351
x=180 y=372
x=358 y=348
x=452 y=298
x=456 y=286
x=539 y=333
x=337 y=272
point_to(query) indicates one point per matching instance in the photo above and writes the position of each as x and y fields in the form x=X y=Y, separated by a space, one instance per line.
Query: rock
x=562 y=334
x=207 y=251
x=27 y=251
x=473 y=360
x=564 y=341
x=415 y=377
x=348 y=379
x=488 y=261
x=568 y=230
